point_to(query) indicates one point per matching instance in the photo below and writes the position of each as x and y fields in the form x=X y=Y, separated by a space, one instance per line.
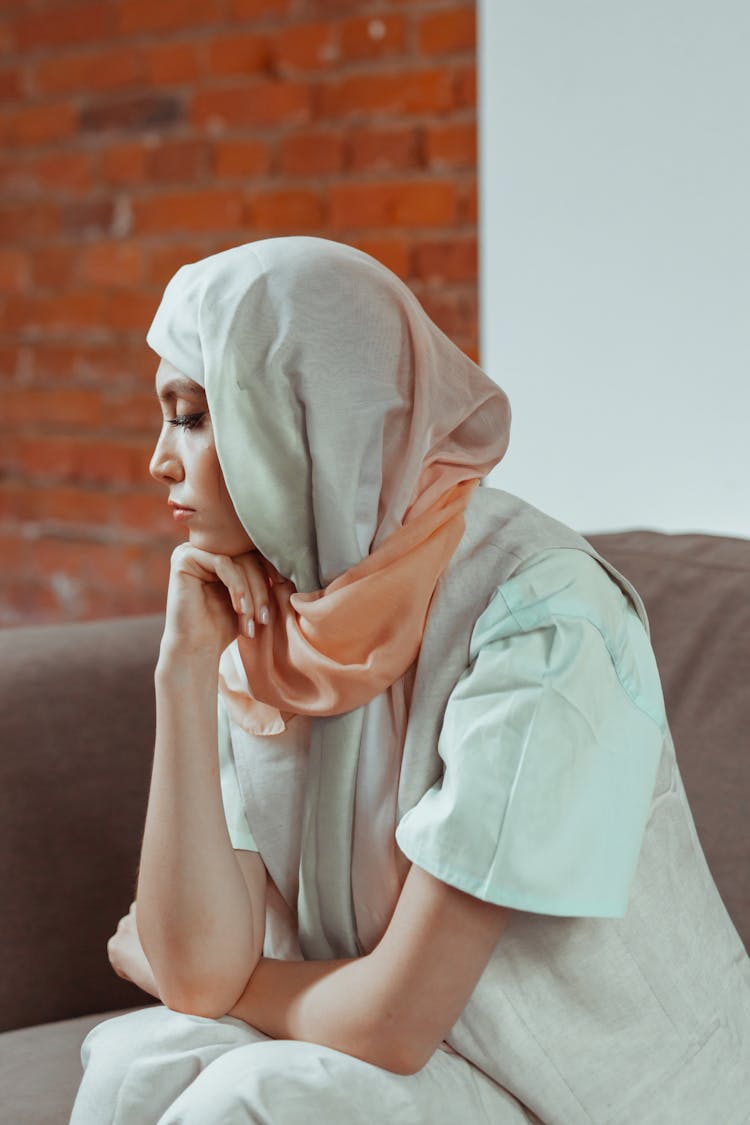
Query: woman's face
x=185 y=460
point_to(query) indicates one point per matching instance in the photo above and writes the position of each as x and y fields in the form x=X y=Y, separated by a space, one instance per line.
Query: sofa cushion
x=40 y=1069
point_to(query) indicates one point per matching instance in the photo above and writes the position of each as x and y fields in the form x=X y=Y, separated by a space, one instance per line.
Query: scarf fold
x=332 y=650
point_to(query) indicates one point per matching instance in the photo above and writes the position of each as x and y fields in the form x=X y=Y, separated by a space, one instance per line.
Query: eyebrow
x=176 y=387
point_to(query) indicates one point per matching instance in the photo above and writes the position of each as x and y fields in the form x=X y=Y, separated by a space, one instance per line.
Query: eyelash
x=189 y=421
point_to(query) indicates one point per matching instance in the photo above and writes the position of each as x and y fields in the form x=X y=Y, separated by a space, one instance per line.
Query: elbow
x=212 y=999
x=194 y=1006
x=195 y=1003
x=398 y=1054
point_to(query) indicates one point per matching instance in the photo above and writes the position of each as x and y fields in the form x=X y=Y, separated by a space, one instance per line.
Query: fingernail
x=264 y=615
x=251 y=628
x=243 y=603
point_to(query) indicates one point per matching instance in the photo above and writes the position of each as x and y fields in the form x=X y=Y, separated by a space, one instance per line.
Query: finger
x=232 y=575
x=257 y=600
x=233 y=578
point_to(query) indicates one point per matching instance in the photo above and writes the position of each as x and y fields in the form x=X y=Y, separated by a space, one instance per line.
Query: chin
x=218 y=544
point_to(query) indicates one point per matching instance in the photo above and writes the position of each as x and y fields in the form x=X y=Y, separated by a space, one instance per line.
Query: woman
x=417 y=847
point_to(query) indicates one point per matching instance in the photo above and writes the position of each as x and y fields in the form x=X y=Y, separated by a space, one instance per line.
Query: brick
x=113 y=264
x=171 y=63
x=14 y=270
x=71 y=505
x=285 y=211
x=454 y=313
x=28 y=222
x=11 y=85
x=136 y=16
x=255 y=104
x=392 y=252
x=55 y=267
x=107 y=69
x=304 y=47
x=36 y=124
x=238 y=54
x=88 y=217
x=240 y=158
x=13 y=552
x=311 y=153
x=56 y=407
x=451 y=145
x=64 y=171
x=450 y=259
x=74 y=23
x=17 y=177
x=207 y=210
x=468 y=203
x=258 y=9
x=382 y=150
x=154 y=569
x=131 y=410
x=59 y=312
x=178 y=160
x=100 y=563
x=413 y=203
x=451 y=30
x=27 y=601
x=366 y=37
x=164 y=261
x=125 y=163
x=12 y=361
x=12 y=500
x=137 y=111
x=130 y=310
x=421 y=91
x=466 y=87
x=78 y=460
x=140 y=511
x=104 y=362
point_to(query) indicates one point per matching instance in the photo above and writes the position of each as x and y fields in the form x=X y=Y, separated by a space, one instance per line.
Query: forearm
x=335 y=1003
x=196 y=922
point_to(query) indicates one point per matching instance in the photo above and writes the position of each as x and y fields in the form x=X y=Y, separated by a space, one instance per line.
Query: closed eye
x=190 y=421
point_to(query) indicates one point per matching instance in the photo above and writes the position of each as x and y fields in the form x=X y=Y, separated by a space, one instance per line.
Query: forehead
x=171 y=384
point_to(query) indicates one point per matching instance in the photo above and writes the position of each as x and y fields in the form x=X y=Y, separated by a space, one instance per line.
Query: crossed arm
x=395 y=1005
x=201 y=915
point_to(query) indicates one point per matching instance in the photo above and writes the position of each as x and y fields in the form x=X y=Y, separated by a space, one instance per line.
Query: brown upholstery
x=77 y=721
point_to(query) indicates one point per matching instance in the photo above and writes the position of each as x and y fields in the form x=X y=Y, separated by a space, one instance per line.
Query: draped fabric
x=351 y=433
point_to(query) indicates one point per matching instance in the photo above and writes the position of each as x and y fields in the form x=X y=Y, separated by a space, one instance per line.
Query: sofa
x=77 y=721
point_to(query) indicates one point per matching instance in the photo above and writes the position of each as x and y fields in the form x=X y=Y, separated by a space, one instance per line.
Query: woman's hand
x=126 y=955
x=211 y=598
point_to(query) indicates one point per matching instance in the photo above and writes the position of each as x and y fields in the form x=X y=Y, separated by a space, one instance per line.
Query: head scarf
x=350 y=432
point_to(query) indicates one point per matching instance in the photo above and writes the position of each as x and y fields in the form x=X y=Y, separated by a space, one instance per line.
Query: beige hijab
x=351 y=432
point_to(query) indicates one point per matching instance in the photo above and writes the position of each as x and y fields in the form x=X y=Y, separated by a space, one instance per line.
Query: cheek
x=215 y=476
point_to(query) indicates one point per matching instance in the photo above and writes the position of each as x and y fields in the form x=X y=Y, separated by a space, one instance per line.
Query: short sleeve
x=231 y=794
x=551 y=741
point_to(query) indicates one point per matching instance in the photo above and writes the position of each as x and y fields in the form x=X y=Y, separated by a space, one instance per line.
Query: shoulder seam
x=584 y=617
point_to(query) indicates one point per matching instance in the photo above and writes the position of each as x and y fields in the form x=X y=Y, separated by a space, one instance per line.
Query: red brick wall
x=141 y=134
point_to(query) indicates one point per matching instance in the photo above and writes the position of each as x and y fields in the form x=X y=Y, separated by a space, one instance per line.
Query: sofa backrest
x=77 y=717
x=696 y=589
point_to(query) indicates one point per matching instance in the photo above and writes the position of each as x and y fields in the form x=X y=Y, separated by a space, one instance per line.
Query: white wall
x=615 y=257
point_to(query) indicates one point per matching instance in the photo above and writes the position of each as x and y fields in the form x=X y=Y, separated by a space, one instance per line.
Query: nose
x=165 y=465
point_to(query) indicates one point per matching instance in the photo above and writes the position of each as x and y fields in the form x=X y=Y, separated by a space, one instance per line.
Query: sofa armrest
x=77 y=714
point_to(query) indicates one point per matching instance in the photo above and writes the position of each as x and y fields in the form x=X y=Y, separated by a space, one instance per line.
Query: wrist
x=175 y=663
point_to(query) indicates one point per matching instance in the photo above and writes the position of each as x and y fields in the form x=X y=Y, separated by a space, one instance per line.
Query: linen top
x=550 y=744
